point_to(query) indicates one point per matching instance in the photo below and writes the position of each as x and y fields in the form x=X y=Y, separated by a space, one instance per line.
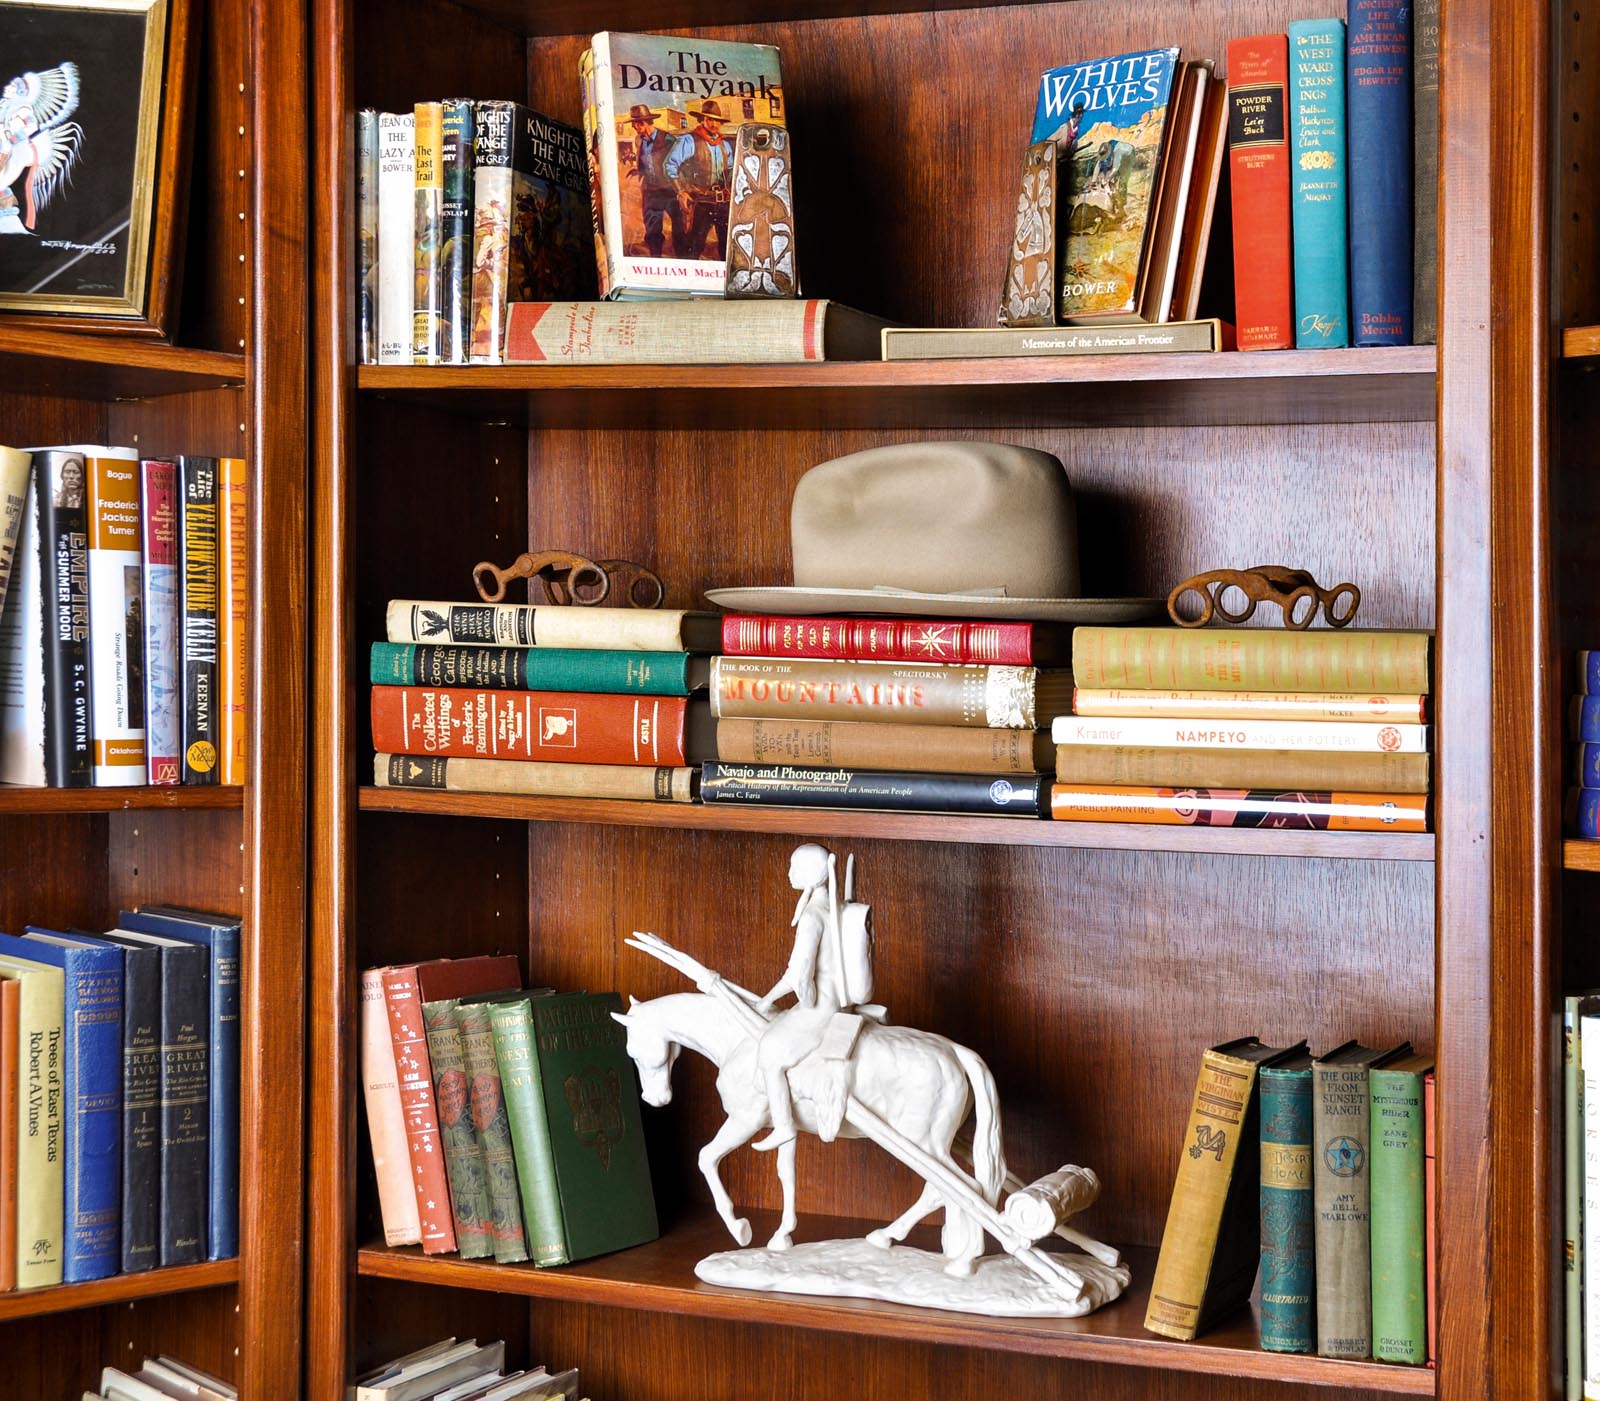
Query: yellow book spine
x=232 y=618
x=41 y=1123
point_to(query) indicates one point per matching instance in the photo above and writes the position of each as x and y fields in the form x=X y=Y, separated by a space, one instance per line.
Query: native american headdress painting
x=38 y=144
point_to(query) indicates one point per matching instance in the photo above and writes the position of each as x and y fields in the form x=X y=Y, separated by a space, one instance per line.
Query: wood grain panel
x=55 y=872
x=391 y=1319
x=209 y=422
x=410 y=51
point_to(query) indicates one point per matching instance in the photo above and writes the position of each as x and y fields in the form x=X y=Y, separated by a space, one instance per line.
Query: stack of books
x=123 y=636
x=126 y=1046
x=160 y=1378
x=884 y=713
x=1249 y=727
x=1319 y=1173
x=1583 y=725
x=462 y=1371
x=504 y=1122
x=555 y=701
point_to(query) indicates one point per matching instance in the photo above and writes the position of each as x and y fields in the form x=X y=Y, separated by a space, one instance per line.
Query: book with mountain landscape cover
x=664 y=194
x=1109 y=119
x=1211 y=1246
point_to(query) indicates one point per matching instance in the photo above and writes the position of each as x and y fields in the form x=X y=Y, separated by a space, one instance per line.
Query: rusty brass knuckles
x=1293 y=590
x=572 y=579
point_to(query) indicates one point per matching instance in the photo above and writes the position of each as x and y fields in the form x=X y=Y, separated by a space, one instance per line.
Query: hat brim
x=1097 y=611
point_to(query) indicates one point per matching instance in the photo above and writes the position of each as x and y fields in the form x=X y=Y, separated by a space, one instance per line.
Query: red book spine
x=563 y=726
x=1258 y=165
x=1429 y=1189
x=415 y=1074
x=877 y=639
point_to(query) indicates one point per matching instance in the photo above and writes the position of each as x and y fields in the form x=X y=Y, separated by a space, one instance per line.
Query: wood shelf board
x=1580 y=854
x=1580 y=342
x=1379 y=384
x=108 y=367
x=659 y=1277
x=894 y=826
x=16 y=800
x=536 y=17
x=37 y=1303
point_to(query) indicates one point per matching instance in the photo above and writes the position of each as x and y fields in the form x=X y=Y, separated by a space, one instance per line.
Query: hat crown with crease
x=940 y=518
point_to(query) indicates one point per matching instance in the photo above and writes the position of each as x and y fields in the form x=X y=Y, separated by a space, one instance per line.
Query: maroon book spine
x=877 y=639
x=1258 y=168
x=415 y=1074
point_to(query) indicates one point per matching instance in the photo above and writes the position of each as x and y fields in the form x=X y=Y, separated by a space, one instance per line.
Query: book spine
x=511 y=1024
x=877 y=639
x=1251 y=659
x=1425 y=173
x=492 y=196
x=1194 y=1215
x=529 y=625
x=1586 y=765
x=367 y=236
x=1341 y=1112
x=455 y=233
x=992 y=697
x=1288 y=1271
x=1379 y=105
x=494 y=1132
x=185 y=1104
x=225 y=1055
x=162 y=609
x=1399 y=1282
x=1251 y=705
x=40 y=1182
x=1122 y=765
x=396 y=235
x=428 y=214
x=781 y=785
x=416 y=1102
x=1571 y=1199
x=623 y=781
x=842 y=744
x=1258 y=164
x=10 y=1120
x=1316 y=736
x=1583 y=813
x=518 y=669
x=197 y=528
x=386 y=1126
x=24 y=720
x=116 y=639
x=16 y=470
x=1430 y=1197
x=1171 y=337
x=1244 y=808
x=64 y=577
x=783 y=330
x=1588 y=673
x=1321 y=238
x=463 y=1158
x=92 y=1203
x=591 y=148
x=232 y=620
x=141 y=1109
x=1589 y=1068
x=1584 y=718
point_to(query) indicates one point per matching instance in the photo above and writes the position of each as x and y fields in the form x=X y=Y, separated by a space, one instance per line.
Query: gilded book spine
x=463 y=1158
x=780 y=785
x=428 y=215
x=1194 y=1217
x=1341 y=1112
x=624 y=781
x=494 y=1132
x=416 y=1101
x=530 y=668
x=877 y=639
x=1288 y=1271
x=842 y=744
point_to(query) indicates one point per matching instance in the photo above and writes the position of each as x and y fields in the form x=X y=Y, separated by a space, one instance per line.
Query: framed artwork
x=93 y=162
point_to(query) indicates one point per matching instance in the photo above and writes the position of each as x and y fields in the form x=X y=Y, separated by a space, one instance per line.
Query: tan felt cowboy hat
x=948 y=530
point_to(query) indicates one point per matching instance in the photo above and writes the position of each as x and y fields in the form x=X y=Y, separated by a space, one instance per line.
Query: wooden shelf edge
x=1580 y=342
x=891 y=826
x=19 y=801
x=64 y=1298
x=97 y=367
x=659 y=1277
x=1580 y=854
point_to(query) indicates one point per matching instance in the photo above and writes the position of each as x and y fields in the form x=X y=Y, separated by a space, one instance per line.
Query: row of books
x=1580 y=1026
x=1317 y=1173
x=119 y=1097
x=463 y=1371
x=159 y=1379
x=1583 y=728
x=122 y=641
x=503 y=1121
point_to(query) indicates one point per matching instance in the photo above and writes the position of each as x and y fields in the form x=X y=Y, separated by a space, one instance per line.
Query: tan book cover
x=845 y=744
x=40 y=1128
x=1242 y=768
x=1369 y=709
x=535 y=778
x=10 y=1016
x=989 y=342
x=386 y=1129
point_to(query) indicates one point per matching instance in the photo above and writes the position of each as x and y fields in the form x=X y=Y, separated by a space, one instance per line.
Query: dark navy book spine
x=782 y=785
x=1379 y=115
x=1584 y=719
x=1586 y=765
x=1583 y=813
x=141 y=1109
x=1589 y=673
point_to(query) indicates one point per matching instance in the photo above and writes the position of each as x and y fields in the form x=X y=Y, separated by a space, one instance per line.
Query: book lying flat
x=986 y=342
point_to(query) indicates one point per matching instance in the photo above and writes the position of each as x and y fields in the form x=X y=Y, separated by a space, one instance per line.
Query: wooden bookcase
x=1089 y=965
x=234 y=383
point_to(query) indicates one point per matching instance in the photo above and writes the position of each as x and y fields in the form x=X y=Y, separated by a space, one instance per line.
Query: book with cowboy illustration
x=1108 y=116
x=665 y=113
x=530 y=225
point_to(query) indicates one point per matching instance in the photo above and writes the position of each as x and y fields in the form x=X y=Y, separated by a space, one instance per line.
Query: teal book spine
x=1319 y=188
x=1288 y=1264
x=522 y=669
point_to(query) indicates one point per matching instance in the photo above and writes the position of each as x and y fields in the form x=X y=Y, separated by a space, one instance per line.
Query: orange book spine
x=1222 y=807
x=10 y=1018
x=232 y=617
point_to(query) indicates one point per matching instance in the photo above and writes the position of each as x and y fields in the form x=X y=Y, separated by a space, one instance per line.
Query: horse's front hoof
x=882 y=1239
x=781 y=1240
x=741 y=1231
x=961 y=1269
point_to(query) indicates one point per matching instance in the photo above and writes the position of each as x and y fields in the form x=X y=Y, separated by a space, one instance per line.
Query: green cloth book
x=1399 y=1274
x=494 y=1132
x=463 y=1157
x=41 y=1122
x=511 y=1024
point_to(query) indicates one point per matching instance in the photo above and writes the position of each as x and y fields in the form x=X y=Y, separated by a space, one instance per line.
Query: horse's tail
x=988 y=1154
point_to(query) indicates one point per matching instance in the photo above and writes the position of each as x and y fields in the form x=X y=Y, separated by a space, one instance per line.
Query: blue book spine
x=1378 y=97
x=1583 y=719
x=223 y=941
x=1589 y=673
x=1288 y=1270
x=1586 y=765
x=92 y=1017
x=1583 y=813
x=1317 y=123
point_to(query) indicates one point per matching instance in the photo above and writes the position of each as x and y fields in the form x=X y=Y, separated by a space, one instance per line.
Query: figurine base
x=902 y=1274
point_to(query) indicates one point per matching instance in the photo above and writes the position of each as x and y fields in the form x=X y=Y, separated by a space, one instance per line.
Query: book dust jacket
x=1109 y=119
x=663 y=114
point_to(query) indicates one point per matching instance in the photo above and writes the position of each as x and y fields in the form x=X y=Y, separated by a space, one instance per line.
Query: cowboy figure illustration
x=701 y=165
x=658 y=196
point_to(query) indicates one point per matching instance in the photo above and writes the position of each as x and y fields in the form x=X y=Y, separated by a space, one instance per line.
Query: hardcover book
x=625 y=781
x=787 y=785
x=1237 y=807
x=665 y=113
x=1258 y=163
x=1589 y=1072
x=845 y=744
x=1321 y=235
x=536 y=669
x=25 y=721
x=367 y=236
x=1325 y=736
x=116 y=637
x=10 y=1117
x=386 y=1128
x=889 y=640
x=64 y=584
x=40 y=1130
x=233 y=622
x=1425 y=175
x=463 y=1155
x=530 y=230
x=493 y=1130
x=1108 y=118
x=428 y=1179
x=1572 y=1151
x=1399 y=1277
x=456 y=153
x=162 y=613
x=16 y=471
x=1288 y=1268
x=1379 y=105
x=397 y=198
x=427 y=305
x=1247 y=705
x=1311 y=769
x=545 y=625
x=940 y=343
x=197 y=529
